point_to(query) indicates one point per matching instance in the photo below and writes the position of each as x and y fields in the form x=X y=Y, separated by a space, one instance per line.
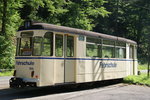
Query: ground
x=119 y=91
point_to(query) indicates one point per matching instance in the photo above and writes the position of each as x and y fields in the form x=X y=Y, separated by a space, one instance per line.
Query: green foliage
x=6 y=53
x=78 y=14
x=12 y=16
x=129 y=19
x=142 y=67
x=43 y=10
x=7 y=45
x=138 y=79
x=81 y=14
x=6 y=73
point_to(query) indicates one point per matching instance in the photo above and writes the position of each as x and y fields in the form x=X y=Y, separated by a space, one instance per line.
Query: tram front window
x=47 y=47
x=36 y=46
x=37 y=43
x=25 y=46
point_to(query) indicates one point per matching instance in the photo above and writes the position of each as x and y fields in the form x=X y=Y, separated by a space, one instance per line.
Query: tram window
x=47 y=48
x=93 y=40
x=93 y=47
x=58 y=45
x=37 y=46
x=120 y=52
x=25 y=46
x=131 y=52
x=108 y=52
x=91 y=50
x=26 y=34
x=108 y=49
x=121 y=44
x=108 y=42
x=70 y=46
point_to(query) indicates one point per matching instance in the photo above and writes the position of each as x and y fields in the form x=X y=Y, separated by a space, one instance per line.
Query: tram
x=49 y=55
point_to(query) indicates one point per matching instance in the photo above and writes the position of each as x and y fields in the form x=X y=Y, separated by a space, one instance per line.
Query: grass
x=6 y=73
x=138 y=79
x=142 y=67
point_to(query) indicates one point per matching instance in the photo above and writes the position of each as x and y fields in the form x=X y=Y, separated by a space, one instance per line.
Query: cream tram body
x=50 y=55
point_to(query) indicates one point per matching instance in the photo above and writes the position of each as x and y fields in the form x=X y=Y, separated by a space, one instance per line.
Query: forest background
x=124 y=18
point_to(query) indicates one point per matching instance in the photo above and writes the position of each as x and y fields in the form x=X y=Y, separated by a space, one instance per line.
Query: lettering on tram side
x=108 y=65
x=24 y=63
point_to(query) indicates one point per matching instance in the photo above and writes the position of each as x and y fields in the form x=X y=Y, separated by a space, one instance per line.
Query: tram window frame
x=49 y=41
x=135 y=52
x=106 y=45
x=18 y=46
x=27 y=34
x=93 y=42
x=61 y=48
x=70 y=46
x=39 y=47
x=25 y=48
x=131 y=52
x=120 y=54
x=121 y=46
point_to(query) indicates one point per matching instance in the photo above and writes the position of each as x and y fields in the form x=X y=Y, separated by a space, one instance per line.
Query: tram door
x=69 y=61
x=65 y=62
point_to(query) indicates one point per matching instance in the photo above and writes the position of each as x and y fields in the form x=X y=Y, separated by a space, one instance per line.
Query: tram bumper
x=16 y=82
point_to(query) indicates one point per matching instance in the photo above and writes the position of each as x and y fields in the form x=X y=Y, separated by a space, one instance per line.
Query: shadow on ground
x=30 y=92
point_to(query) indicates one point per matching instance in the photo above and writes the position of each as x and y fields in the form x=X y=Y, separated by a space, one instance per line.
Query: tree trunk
x=4 y=18
x=148 y=71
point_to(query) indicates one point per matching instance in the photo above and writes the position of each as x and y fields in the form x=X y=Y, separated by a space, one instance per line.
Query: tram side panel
x=128 y=65
x=94 y=69
x=103 y=70
x=131 y=63
x=58 y=71
x=26 y=67
x=135 y=61
x=47 y=72
x=69 y=71
x=80 y=64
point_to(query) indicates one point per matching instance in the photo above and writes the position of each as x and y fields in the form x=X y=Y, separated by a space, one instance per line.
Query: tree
x=73 y=13
x=9 y=24
x=129 y=19
x=83 y=13
x=3 y=32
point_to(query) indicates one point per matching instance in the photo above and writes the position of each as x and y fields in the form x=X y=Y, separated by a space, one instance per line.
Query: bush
x=142 y=67
x=6 y=73
x=7 y=51
x=138 y=79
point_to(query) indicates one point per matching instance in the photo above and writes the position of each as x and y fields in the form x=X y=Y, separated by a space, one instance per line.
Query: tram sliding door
x=69 y=62
x=59 y=61
x=65 y=62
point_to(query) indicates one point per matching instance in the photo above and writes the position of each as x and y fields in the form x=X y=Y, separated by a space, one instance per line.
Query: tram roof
x=64 y=29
